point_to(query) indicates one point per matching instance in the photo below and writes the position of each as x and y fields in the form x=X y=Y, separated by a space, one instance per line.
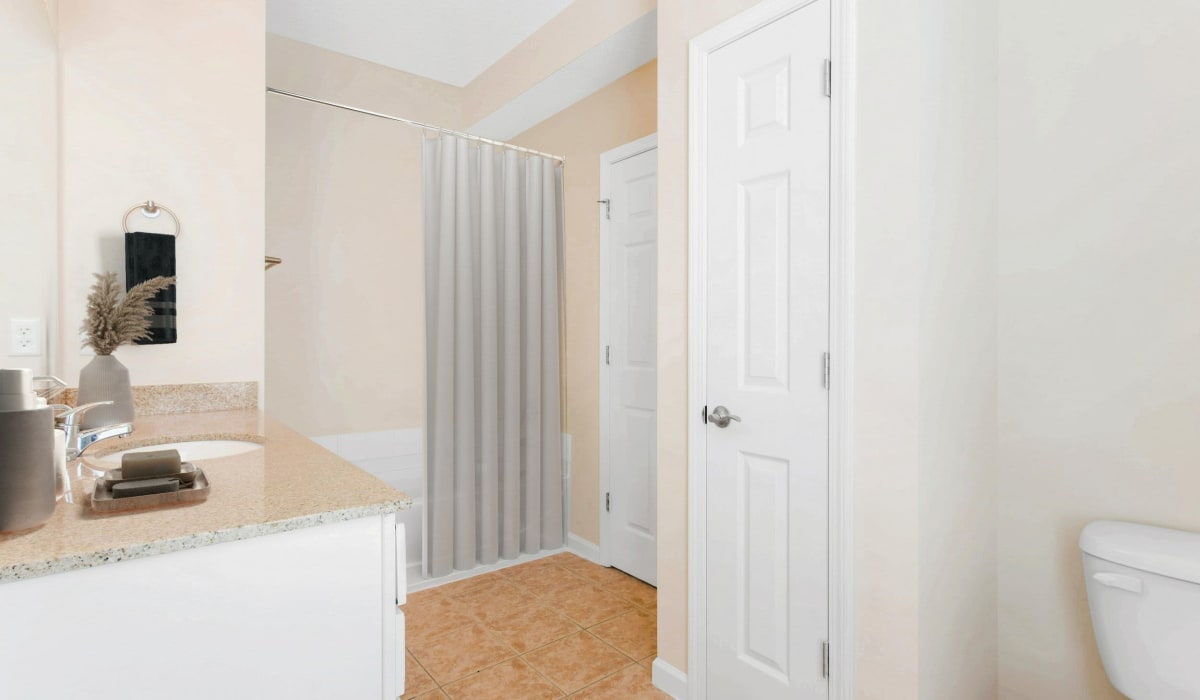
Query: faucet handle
x=67 y=418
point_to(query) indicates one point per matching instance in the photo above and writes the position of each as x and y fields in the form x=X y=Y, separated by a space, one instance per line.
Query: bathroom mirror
x=28 y=186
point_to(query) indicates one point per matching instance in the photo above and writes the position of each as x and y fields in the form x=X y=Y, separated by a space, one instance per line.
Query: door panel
x=762 y=229
x=629 y=449
x=767 y=297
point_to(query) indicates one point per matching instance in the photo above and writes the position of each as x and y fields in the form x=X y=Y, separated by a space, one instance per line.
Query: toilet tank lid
x=1171 y=553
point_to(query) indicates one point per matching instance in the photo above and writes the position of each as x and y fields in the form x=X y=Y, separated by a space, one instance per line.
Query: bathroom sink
x=190 y=450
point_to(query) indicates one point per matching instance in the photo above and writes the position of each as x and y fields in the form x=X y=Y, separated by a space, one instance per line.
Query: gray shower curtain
x=493 y=233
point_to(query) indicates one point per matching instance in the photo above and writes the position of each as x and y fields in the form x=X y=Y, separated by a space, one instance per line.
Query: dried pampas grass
x=113 y=321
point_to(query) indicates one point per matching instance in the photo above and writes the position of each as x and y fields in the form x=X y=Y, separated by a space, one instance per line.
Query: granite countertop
x=289 y=484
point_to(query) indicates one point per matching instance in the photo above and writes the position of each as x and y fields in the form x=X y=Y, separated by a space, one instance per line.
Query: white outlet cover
x=25 y=337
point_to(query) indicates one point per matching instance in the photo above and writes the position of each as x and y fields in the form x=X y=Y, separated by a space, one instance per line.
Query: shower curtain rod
x=422 y=125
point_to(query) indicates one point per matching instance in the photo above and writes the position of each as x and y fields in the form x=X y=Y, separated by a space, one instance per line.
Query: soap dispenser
x=27 y=479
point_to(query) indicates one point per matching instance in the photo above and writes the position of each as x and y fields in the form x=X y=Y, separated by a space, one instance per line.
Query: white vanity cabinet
x=307 y=613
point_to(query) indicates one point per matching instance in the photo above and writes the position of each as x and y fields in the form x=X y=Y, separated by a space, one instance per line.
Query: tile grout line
x=436 y=685
x=538 y=671
x=600 y=680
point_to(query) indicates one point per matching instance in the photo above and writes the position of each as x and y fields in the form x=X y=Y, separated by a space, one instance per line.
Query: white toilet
x=1143 y=586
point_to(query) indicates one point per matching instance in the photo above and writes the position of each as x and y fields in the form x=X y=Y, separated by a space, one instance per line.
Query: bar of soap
x=143 y=487
x=144 y=465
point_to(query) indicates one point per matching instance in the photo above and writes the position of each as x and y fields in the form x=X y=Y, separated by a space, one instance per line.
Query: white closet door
x=630 y=184
x=767 y=237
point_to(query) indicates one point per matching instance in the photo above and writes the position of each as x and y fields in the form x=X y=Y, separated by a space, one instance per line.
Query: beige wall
x=888 y=250
x=1100 y=386
x=617 y=114
x=924 y=286
x=163 y=99
x=345 y=313
x=957 y=379
x=28 y=171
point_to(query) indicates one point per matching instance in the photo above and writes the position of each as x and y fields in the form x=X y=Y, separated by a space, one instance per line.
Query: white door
x=767 y=295
x=629 y=236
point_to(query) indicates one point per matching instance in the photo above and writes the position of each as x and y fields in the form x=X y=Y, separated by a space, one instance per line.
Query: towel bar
x=151 y=210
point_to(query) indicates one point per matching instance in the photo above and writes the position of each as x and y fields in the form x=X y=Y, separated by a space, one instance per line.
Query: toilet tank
x=1143 y=587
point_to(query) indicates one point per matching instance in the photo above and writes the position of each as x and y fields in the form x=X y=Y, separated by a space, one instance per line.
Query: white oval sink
x=189 y=451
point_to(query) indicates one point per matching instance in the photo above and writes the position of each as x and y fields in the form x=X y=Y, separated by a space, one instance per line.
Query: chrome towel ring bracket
x=151 y=210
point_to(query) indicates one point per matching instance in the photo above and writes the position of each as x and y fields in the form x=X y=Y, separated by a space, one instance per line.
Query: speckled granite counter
x=291 y=483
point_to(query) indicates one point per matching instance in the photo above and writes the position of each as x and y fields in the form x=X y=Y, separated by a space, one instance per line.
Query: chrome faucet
x=78 y=440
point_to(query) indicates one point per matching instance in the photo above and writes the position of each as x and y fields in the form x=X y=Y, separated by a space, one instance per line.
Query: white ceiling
x=452 y=41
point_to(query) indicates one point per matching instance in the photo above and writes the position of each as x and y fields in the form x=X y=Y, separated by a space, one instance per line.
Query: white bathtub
x=397 y=457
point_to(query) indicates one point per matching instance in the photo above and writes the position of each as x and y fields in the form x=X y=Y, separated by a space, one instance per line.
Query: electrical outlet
x=25 y=337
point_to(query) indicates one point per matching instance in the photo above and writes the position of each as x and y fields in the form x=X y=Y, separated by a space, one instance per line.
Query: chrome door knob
x=721 y=416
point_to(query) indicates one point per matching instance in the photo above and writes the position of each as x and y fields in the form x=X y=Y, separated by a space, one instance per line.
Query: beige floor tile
x=450 y=657
x=641 y=593
x=465 y=635
x=505 y=681
x=576 y=661
x=468 y=586
x=652 y=604
x=600 y=575
x=588 y=605
x=546 y=580
x=495 y=601
x=634 y=633
x=521 y=569
x=422 y=597
x=416 y=680
x=531 y=627
x=630 y=683
x=432 y=617
x=564 y=559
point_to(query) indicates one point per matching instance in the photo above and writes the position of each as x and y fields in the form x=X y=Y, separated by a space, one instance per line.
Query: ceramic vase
x=105 y=379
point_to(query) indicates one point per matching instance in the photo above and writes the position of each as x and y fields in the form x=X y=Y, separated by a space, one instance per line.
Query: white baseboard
x=575 y=544
x=585 y=549
x=417 y=582
x=669 y=679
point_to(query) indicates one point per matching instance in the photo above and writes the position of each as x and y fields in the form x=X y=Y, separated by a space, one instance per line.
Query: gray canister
x=27 y=494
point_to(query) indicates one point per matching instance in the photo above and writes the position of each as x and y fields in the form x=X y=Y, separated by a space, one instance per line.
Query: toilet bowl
x=1143 y=588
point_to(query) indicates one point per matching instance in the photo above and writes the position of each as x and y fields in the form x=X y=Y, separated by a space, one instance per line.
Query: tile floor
x=550 y=628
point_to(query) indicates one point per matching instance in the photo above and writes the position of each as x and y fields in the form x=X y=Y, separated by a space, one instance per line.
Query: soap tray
x=195 y=492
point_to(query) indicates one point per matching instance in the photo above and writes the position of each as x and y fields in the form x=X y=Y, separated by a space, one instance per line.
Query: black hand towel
x=150 y=255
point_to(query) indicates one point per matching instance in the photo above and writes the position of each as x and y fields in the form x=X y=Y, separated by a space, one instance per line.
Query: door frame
x=607 y=160
x=841 y=315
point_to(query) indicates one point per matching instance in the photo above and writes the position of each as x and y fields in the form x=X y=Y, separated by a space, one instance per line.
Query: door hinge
x=827 y=371
x=607 y=207
x=608 y=354
x=704 y=415
x=607 y=501
x=824 y=659
x=828 y=78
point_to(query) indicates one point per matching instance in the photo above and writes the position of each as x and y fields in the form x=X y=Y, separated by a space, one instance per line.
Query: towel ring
x=151 y=210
